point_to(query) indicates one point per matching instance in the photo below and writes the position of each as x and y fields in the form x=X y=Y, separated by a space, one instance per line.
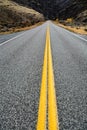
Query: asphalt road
x=21 y=61
x=6 y=37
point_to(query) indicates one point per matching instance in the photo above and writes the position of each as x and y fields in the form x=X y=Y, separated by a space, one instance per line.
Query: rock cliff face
x=61 y=9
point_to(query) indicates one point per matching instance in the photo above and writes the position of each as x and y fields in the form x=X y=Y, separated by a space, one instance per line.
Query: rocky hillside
x=21 y=13
x=13 y=15
x=61 y=9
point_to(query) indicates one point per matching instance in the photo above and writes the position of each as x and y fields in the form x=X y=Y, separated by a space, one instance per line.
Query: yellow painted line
x=41 y=123
x=52 y=105
x=47 y=88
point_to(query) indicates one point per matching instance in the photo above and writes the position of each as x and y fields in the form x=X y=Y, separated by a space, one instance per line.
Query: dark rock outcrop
x=53 y=9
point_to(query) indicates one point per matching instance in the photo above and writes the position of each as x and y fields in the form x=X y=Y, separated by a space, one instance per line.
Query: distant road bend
x=43 y=80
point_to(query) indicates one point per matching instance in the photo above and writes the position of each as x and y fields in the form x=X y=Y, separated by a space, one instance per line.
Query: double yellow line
x=47 y=103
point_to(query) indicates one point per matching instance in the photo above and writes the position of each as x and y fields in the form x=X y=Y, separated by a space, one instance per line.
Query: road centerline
x=47 y=88
x=52 y=105
x=41 y=123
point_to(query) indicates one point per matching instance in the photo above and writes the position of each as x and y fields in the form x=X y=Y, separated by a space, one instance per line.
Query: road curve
x=21 y=62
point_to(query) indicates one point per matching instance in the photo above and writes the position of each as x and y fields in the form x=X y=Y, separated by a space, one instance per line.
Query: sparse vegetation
x=73 y=26
x=13 y=16
x=70 y=13
x=85 y=29
x=57 y=20
x=69 y=20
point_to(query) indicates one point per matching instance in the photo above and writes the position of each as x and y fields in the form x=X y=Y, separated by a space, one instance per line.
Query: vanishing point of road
x=43 y=80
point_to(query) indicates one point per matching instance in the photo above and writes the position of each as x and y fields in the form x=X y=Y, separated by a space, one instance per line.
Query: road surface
x=21 y=65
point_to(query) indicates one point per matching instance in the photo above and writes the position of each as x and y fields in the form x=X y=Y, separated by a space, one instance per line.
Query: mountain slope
x=53 y=9
x=13 y=15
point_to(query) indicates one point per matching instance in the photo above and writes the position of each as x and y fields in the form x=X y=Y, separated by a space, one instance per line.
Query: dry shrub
x=57 y=20
x=69 y=20
x=85 y=29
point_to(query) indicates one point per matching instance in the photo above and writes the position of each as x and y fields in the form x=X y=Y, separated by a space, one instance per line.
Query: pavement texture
x=20 y=78
x=6 y=37
x=83 y=36
x=70 y=68
x=21 y=61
